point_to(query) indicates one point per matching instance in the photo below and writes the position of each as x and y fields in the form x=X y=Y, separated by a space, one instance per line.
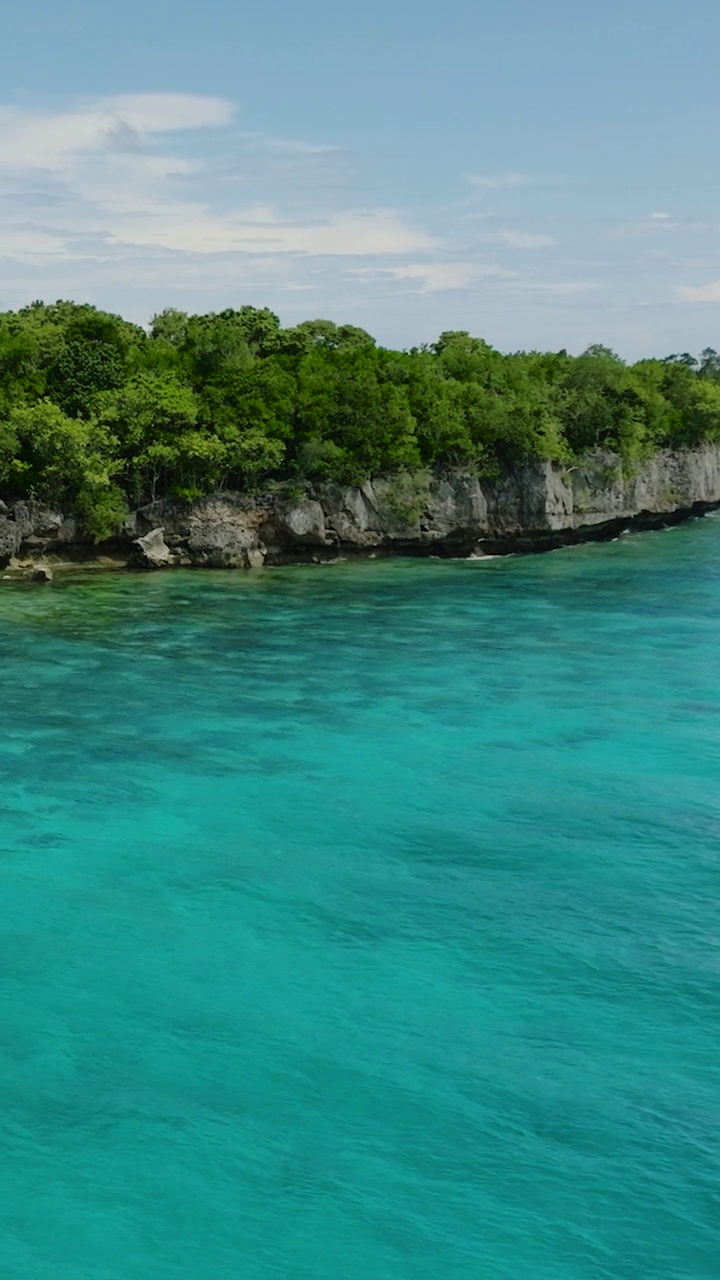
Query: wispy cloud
x=522 y=239
x=28 y=243
x=288 y=146
x=193 y=228
x=657 y=224
x=136 y=200
x=703 y=293
x=531 y=285
x=436 y=277
x=57 y=142
x=109 y=175
x=299 y=147
x=498 y=181
x=566 y=288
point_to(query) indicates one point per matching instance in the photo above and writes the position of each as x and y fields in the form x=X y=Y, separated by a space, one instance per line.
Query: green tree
x=62 y=461
x=94 y=411
x=148 y=416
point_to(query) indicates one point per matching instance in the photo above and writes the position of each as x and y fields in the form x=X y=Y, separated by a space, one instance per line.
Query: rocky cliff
x=536 y=506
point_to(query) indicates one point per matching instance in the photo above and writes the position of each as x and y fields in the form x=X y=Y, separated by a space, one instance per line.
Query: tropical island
x=121 y=431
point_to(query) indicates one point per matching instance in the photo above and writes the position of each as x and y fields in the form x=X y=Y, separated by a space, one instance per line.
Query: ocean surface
x=363 y=922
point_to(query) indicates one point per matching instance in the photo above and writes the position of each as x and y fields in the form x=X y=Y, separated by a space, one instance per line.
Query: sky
x=542 y=174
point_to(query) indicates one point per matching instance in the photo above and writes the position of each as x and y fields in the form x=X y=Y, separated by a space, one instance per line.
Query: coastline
x=536 y=507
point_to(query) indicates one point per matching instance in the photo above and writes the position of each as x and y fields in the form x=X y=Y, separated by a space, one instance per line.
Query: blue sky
x=542 y=174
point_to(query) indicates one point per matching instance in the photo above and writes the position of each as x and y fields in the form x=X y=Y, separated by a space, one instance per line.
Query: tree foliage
x=98 y=414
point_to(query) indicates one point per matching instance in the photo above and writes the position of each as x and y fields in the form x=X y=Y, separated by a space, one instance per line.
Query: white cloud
x=703 y=293
x=289 y=146
x=657 y=224
x=167 y=112
x=298 y=147
x=139 y=201
x=99 y=176
x=522 y=239
x=24 y=242
x=568 y=288
x=436 y=277
x=496 y=182
x=193 y=228
x=58 y=141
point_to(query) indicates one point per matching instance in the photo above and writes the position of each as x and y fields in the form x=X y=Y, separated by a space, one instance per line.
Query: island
x=228 y=441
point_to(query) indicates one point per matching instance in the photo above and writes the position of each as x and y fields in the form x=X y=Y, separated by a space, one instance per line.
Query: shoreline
x=533 y=508
x=43 y=570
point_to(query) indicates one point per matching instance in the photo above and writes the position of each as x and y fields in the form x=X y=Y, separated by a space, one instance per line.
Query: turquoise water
x=361 y=923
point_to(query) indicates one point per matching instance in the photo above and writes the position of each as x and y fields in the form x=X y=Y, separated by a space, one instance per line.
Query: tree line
x=98 y=414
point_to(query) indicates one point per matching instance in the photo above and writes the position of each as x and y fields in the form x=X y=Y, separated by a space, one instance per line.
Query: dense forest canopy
x=98 y=414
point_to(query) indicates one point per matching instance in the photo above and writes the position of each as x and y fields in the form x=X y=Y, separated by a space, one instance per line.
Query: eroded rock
x=223 y=529
x=151 y=552
x=10 y=540
x=532 y=506
x=301 y=522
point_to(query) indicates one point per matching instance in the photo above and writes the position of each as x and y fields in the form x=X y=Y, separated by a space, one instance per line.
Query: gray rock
x=10 y=539
x=40 y=573
x=301 y=523
x=223 y=530
x=534 y=505
x=37 y=522
x=349 y=515
x=151 y=552
x=255 y=557
x=456 y=504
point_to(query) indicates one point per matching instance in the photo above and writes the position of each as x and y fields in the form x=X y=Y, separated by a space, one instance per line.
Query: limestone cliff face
x=28 y=528
x=536 y=506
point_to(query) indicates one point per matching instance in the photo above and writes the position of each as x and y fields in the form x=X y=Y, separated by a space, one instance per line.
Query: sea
x=362 y=922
